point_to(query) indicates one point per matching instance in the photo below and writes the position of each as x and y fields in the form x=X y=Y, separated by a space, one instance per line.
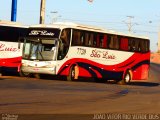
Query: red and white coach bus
x=10 y=54
x=76 y=50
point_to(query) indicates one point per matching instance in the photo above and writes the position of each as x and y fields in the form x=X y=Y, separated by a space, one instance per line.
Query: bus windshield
x=40 y=49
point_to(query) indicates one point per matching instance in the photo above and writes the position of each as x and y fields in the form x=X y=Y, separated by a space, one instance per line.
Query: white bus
x=76 y=50
x=10 y=52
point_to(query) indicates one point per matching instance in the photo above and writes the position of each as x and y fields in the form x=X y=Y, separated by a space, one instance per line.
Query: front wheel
x=71 y=75
x=24 y=74
x=126 y=79
x=36 y=75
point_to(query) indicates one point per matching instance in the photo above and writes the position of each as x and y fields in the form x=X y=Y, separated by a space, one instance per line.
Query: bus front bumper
x=39 y=70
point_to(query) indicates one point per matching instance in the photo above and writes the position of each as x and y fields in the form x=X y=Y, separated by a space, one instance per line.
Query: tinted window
x=12 y=34
x=138 y=45
x=113 y=42
x=64 y=43
x=124 y=43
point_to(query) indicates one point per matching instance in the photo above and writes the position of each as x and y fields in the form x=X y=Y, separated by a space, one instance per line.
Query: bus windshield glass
x=40 y=49
x=41 y=44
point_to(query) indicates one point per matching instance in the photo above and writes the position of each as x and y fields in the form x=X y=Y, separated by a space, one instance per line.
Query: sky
x=109 y=14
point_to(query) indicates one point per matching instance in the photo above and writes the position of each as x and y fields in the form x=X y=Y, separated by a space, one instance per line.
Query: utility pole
x=129 y=23
x=14 y=10
x=42 y=12
x=55 y=16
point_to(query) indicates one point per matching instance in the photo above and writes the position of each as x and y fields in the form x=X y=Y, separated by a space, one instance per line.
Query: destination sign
x=41 y=32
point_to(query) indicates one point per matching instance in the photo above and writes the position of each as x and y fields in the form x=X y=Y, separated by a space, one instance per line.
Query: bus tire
x=71 y=75
x=36 y=75
x=1 y=71
x=126 y=80
x=24 y=74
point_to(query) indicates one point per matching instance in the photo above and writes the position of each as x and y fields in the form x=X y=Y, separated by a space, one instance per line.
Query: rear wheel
x=126 y=79
x=1 y=71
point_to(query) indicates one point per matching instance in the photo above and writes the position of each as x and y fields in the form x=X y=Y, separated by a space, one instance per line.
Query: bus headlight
x=24 y=64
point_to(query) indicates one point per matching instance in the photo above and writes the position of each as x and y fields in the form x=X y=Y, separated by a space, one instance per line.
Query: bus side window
x=144 y=45
x=64 y=43
x=111 y=42
x=91 y=38
x=137 y=45
x=98 y=41
x=101 y=41
x=76 y=40
x=132 y=44
x=124 y=44
x=114 y=42
x=86 y=39
x=65 y=36
x=74 y=36
x=95 y=40
x=82 y=38
x=105 y=41
x=116 y=39
x=147 y=45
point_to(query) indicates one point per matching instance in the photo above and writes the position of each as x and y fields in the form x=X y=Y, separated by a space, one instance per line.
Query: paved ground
x=45 y=96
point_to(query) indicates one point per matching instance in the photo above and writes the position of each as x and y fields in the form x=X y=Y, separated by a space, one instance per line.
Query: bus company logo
x=102 y=54
x=41 y=32
x=3 y=47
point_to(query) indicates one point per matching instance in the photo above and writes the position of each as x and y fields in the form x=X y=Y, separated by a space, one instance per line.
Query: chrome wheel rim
x=127 y=78
x=72 y=73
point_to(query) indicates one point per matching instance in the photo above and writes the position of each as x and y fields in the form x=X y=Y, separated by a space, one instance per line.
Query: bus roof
x=63 y=25
x=11 y=24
